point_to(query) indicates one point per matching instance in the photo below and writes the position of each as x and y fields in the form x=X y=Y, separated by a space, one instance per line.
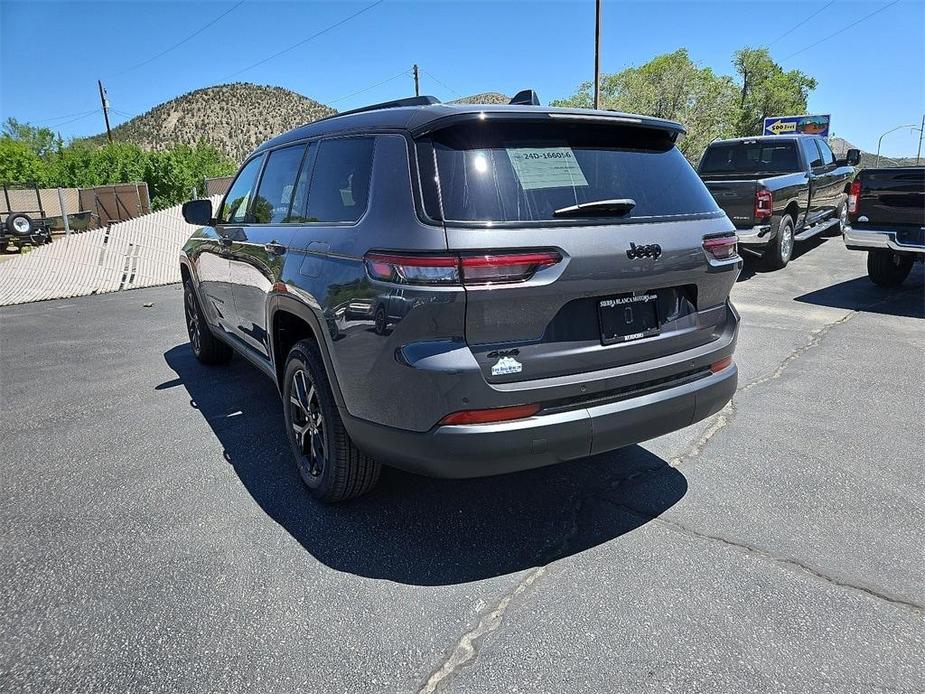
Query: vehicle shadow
x=752 y=265
x=417 y=530
x=860 y=294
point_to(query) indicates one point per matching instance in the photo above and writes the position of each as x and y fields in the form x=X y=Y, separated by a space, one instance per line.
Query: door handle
x=274 y=248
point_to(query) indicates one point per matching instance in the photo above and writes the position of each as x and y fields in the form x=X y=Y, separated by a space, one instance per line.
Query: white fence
x=141 y=252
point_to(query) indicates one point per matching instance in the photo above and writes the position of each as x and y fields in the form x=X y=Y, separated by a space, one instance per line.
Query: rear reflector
x=458 y=269
x=722 y=247
x=854 y=197
x=718 y=366
x=497 y=414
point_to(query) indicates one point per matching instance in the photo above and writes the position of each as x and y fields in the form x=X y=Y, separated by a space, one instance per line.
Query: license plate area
x=628 y=317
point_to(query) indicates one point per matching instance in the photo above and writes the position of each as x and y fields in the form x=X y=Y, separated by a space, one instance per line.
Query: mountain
x=235 y=118
x=840 y=147
x=484 y=98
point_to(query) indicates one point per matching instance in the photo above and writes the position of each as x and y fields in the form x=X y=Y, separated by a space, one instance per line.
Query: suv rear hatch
x=634 y=282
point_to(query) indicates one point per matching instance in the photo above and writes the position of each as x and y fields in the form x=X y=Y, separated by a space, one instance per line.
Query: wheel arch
x=291 y=321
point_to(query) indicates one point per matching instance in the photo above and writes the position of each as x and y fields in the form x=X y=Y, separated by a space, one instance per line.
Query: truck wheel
x=888 y=269
x=331 y=466
x=841 y=214
x=779 y=251
x=207 y=348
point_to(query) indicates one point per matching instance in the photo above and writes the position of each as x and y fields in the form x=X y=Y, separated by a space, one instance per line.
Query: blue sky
x=871 y=77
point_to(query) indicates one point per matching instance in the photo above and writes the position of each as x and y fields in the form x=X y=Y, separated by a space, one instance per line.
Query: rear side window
x=811 y=152
x=274 y=194
x=237 y=199
x=524 y=172
x=751 y=157
x=340 y=182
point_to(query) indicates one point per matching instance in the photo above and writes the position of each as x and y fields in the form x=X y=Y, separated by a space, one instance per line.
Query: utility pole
x=597 y=54
x=105 y=102
x=918 y=155
x=417 y=80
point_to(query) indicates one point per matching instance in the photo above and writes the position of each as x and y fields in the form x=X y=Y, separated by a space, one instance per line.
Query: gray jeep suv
x=465 y=290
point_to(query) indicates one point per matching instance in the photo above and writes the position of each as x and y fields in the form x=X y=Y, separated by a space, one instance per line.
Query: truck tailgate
x=736 y=198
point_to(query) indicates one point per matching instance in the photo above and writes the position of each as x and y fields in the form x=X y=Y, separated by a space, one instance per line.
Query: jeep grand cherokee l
x=465 y=290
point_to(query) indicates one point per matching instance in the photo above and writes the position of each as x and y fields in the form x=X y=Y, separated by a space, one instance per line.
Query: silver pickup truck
x=886 y=218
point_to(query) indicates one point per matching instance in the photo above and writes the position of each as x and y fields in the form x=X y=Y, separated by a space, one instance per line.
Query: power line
x=181 y=42
x=305 y=40
x=843 y=29
x=797 y=26
x=67 y=115
x=448 y=88
x=403 y=73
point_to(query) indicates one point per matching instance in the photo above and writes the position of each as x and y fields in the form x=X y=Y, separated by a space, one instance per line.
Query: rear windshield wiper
x=598 y=208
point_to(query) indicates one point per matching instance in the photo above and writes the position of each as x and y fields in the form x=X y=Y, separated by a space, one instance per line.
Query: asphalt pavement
x=155 y=536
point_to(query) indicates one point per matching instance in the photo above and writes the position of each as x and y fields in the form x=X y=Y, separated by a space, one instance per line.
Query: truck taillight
x=854 y=197
x=764 y=203
x=722 y=247
x=496 y=268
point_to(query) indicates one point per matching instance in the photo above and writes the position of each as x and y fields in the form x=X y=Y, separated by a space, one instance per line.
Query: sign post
x=798 y=125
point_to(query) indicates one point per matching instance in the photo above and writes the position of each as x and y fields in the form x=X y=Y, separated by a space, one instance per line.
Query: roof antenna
x=527 y=97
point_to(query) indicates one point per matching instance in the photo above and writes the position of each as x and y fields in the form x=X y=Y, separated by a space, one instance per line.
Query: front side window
x=340 y=182
x=274 y=194
x=827 y=156
x=234 y=210
x=531 y=172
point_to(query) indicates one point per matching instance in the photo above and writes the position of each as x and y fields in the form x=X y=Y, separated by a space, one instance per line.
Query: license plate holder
x=627 y=318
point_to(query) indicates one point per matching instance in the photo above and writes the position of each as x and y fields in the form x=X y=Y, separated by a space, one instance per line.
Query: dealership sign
x=797 y=125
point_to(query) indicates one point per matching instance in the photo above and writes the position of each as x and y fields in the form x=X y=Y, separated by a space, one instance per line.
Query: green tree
x=766 y=90
x=670 y=86
x=42 y=141
x=19 y=164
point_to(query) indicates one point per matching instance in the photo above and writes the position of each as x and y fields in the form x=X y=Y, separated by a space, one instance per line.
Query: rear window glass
x=755 y=156
x=340 y=183
x=524 y=172
x=274 y=194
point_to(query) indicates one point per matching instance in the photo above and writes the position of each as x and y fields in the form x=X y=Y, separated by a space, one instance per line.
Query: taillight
x=723 y=363
x=854 y=197
x=722 y=247
x=764 y=203
x=458 y=269
x=496 y=414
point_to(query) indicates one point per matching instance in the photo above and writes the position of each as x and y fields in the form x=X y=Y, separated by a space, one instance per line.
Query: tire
x=331 y=466
x=888 y=269
x=780 y=250
x=20 y=224
x=841 y=213
x=382 y=321
x=207 y=348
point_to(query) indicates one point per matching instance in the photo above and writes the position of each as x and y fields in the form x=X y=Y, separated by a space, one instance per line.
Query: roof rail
x=527 y=97
x=397 y=103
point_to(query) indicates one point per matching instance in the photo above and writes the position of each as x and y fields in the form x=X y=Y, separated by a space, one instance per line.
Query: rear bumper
x=756 y=237
x=489 y=449
x=863 y=240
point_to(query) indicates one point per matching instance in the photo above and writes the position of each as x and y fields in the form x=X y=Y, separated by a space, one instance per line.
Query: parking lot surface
x=156 y=536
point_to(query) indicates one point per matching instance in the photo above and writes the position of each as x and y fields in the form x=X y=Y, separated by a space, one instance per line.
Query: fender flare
x=295 y=306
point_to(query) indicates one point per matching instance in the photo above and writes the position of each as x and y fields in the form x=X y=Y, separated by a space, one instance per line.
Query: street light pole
x=918 y=155
x=597 y=54
x=898 y=127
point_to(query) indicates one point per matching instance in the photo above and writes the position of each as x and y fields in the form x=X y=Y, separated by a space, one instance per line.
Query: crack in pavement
x=466 y=649
x=724 y=417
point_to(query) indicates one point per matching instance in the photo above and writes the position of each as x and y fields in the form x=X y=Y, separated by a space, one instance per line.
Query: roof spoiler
x=397 y=103
x=527 y=97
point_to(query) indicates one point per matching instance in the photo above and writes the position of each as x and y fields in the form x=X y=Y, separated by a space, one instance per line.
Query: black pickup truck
x=886 y=218
x=778 y=190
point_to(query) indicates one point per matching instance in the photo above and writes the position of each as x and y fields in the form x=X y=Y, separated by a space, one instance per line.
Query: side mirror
x=853 y=158
x=198 y=212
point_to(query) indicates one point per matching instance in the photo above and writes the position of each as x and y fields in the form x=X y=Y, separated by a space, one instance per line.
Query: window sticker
x=546 y=167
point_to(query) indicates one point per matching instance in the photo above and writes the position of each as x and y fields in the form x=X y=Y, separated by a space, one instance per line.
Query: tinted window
x=827 y=156
x=751 y=156
x=524 y=172
x=300 y=194
x=274 y=194
x=811 y=151
x=235 y=208
x=340 y=181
